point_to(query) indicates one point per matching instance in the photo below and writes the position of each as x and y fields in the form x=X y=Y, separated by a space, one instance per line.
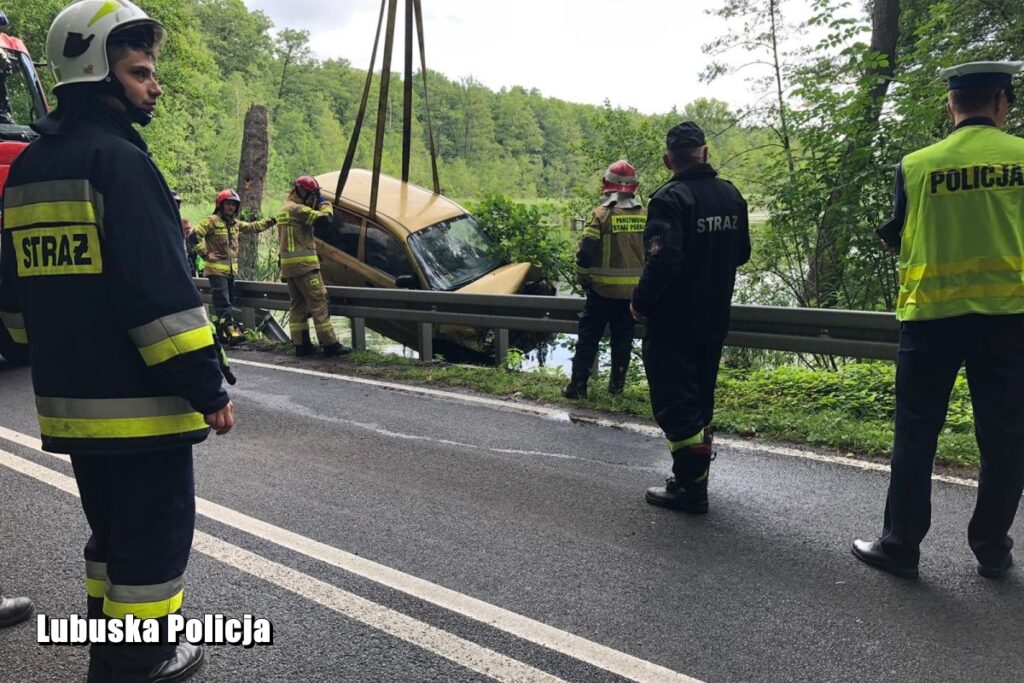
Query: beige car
x=420 y=240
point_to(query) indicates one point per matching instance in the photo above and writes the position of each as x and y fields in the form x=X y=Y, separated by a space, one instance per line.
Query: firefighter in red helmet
x=216 y=239
x=300 y=267
x=608 y=265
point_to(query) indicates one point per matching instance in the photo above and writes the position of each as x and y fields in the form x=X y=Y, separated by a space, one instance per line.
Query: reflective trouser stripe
x=15 y=324
x=324 y=326
x=618 y=272
x=299 y=327
x=301 y=256
x=49 y=213
x=144 y=602
x=172 y=335
x=116 y=418
x=694 y=440
x=96 y=579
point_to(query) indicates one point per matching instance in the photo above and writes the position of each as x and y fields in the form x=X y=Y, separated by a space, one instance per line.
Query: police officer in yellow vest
x=608 y=264
x=300 y=267
x=958 y=224
x=216 y=240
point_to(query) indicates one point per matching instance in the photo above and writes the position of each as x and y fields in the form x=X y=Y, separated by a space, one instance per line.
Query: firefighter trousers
x=309 y=300
x=141 y=511
x=930 y=355
x=598 y=312
x=222 y=292
x=682 y=375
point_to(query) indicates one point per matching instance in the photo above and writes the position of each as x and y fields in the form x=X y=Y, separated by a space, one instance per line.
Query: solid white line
x=595 y=654
x=451 y=647
x=565 y=416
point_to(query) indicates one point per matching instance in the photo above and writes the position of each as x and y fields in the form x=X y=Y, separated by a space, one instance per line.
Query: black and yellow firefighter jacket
x=295 y=223
x=94 y=280
x=611 y=252
x=219 y=235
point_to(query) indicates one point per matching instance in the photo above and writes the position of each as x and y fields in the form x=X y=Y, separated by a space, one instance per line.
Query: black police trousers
x=222 y=293
x=681 y=375
x=930 y=356
x=141 y=511
x=598 y=312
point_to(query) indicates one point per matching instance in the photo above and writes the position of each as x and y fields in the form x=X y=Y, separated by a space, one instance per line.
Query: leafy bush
x=524 y=233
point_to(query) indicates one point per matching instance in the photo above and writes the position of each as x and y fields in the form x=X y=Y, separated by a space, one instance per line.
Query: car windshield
x=21 y=100
x=453 y=253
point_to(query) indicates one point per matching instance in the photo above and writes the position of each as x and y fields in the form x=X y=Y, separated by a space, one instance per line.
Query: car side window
x=385 y=253
x=342 y=232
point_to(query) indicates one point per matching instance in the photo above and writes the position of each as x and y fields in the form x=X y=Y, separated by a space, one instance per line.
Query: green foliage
x=524 y=233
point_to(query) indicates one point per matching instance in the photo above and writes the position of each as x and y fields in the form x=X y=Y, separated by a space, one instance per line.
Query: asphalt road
x=396 y=536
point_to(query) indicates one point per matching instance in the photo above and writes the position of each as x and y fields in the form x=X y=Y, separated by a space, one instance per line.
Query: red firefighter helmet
x=227 y=196
x=620 y=177
x=305 y=183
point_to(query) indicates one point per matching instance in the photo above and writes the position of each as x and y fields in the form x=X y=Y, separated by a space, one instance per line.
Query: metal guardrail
x=856 y=334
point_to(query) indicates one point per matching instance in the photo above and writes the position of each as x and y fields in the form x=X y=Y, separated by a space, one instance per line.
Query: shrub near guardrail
x=849 y=408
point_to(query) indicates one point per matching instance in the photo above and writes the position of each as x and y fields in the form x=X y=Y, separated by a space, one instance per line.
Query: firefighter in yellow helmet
x=300 y=268
x=93 y=281
x=958 y=226
x=216 y=240
x=608 y=264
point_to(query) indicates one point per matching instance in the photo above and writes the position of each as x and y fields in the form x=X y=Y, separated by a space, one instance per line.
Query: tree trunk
x=825 y=275
x=252 y=172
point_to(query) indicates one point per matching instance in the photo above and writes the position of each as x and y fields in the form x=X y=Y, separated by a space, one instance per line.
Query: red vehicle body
x=22 y=101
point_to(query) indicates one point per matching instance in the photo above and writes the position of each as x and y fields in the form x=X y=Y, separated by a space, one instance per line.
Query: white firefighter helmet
x=76 y=45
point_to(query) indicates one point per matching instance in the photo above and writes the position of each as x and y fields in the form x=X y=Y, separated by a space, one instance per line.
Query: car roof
x=408 y=205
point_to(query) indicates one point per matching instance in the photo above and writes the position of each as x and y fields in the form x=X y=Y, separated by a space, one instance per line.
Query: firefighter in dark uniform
x=608 y=264
x=123 y=364
x=697 y=235
x=959 y=230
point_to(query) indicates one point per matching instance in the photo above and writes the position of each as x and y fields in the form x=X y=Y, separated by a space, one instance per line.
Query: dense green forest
x=220 y=58
x=841 y=97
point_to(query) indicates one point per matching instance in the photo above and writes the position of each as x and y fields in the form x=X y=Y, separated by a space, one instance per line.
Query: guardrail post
x=426 y=334
x=358 y=333
x=249 y=318
x=500 y=346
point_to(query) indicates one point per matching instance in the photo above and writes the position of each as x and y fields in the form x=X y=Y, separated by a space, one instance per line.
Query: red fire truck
x=22 y=101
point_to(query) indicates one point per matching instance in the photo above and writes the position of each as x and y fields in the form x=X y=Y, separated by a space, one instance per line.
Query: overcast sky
x=644 y=54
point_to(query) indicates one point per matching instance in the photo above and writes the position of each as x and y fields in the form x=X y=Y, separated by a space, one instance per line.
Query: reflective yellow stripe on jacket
x=15 y=326
x=116 y=418
x=172 y=335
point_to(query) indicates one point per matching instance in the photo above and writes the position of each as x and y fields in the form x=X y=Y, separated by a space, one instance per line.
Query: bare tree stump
x=252 y=172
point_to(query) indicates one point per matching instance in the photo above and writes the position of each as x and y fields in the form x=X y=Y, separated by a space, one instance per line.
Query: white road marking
x=561 y=415
x=451 y=647
x=595 y=654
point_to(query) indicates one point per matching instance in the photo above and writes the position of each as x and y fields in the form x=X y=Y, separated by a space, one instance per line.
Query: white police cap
x=980 y=74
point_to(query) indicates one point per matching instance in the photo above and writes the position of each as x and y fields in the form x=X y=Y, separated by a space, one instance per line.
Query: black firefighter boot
x=577 y=387
x=306 y=347
x=187 y=660
x=336 y=349
x=687 y=489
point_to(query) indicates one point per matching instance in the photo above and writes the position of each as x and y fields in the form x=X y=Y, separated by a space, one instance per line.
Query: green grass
x=849 y=410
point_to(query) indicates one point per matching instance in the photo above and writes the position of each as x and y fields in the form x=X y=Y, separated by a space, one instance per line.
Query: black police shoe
x=336 y=349
x=872 y=553
x=14 y=610
x=997 y=570
x=617 y=381
x=186 y=661
x=691 y=497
